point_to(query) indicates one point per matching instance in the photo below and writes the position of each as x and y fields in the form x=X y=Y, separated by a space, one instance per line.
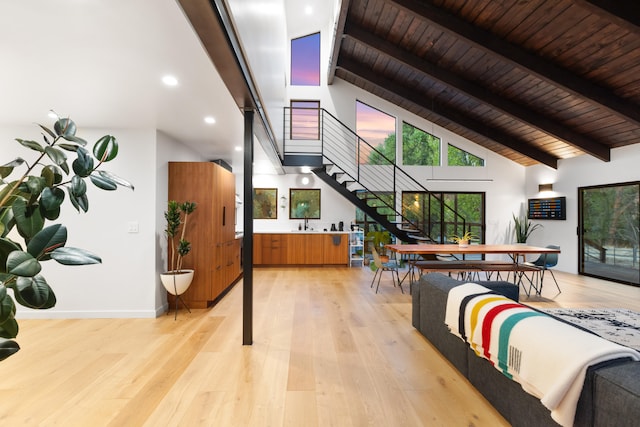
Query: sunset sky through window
x=305 y=60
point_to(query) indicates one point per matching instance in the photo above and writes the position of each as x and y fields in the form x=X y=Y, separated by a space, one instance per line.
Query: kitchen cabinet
x=299 y=248
x=215 y=252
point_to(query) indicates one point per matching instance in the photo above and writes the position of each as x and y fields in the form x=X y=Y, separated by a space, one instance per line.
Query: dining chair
x=391 y=265
x=544 y=263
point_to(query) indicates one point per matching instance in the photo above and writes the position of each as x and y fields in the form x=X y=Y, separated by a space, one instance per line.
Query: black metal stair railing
x=363 y=174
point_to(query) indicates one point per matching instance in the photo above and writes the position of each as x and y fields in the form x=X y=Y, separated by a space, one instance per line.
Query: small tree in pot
x=177 y=280
x=178 y=247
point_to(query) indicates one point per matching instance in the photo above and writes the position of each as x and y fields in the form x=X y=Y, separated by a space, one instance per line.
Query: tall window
x=378 y=129
x=305 y=120
x=443 y=215
x=419 y=147
x=305 y=60
x=609 y=239
x=459 y=157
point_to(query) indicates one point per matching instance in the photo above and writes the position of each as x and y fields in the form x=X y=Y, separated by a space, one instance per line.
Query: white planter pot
x=177 y=283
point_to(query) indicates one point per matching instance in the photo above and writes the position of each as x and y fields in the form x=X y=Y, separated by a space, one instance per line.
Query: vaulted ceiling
x=532 y=80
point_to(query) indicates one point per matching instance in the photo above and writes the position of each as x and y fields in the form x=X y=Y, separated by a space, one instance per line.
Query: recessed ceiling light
x=210 y=120
x=308 y=10
x=170 y=80
x=305 y=169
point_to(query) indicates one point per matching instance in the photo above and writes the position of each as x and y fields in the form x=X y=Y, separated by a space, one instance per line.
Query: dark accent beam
x=479 y=93
x=516 y=56
x=476 y=126
x=337 y=40
x=247 y=238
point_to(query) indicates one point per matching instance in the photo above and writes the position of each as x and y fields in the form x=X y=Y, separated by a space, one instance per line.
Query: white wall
x=334 y=207
x=572 y=173
x=126 y=284
x=122 y=286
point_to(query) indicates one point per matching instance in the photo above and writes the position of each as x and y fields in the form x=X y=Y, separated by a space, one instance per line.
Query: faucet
x=306 y=223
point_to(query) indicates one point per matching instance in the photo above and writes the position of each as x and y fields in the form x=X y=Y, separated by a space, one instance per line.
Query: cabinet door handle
x=224 y=215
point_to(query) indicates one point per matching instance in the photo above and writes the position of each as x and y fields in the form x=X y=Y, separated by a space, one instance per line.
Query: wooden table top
x=424 y=249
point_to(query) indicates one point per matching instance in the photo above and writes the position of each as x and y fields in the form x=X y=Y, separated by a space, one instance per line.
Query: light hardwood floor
x=327 y=351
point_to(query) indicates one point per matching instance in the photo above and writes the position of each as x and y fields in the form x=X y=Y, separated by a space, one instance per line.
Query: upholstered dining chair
x=544 y=263
x=391 y=266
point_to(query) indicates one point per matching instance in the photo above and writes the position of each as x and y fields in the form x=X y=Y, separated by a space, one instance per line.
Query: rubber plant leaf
x=6 y=247
x=65 y=127
x=57 y=156
x=78 y=186
x=74 y=256
x=8 y=348
x=28 y=219
x=34 y=292
x=52 y=174
x=7 y=168
x=103 y=182
x=46 y=241
x=9 y=328
x=47 y=130
x=20 y=263
x=83 y=165
x=36 y=184
x=31 y=144
x=79 y=202
x=50 y=202
x=106 y=148
x=7 y=306
x=115 y=178
x=73 y=138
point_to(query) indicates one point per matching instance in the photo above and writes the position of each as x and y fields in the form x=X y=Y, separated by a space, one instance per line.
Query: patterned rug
x=615 y=324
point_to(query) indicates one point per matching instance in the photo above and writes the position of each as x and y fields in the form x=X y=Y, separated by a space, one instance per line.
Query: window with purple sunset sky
x=305 y=60
x=373 y=125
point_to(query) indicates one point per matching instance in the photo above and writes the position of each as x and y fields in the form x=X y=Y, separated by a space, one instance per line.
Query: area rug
x=615 y=324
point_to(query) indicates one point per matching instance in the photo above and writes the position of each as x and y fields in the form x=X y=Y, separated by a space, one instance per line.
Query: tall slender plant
x=26 y=203
x=177 y=215
x=523 y=228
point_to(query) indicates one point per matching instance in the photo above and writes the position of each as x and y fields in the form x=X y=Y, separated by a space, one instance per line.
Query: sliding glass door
x=609 y=218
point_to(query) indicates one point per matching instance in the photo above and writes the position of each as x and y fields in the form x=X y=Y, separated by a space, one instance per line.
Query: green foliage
x=32 y=199
x=523 y=228
x=176 y=215
x=419 y=147
x=458 y=157
x=384 y=154
x=379 y=238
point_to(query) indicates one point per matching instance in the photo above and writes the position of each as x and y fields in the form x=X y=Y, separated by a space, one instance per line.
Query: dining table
x=515 y=251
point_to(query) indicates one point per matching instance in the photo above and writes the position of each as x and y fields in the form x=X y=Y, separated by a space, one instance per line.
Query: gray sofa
x=610 y=395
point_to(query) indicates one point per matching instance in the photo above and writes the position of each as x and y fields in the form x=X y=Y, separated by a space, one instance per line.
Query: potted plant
x=523 y=228
x=177 y=279
x=29 y=200
x=380 y=238
x=464 y=240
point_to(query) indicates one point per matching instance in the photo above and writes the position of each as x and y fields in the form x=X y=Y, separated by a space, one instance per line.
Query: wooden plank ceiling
x=532 y=80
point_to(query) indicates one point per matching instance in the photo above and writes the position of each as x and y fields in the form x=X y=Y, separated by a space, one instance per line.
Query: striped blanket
x=547 y=357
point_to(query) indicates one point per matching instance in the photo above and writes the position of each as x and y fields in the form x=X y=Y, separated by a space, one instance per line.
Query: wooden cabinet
x=215 y=254
x=336 y=249
x=300 y=249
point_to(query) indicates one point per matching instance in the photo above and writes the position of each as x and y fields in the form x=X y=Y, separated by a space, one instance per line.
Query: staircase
x=362 y=174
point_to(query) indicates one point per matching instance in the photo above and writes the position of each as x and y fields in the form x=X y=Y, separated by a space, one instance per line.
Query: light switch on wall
x=132 y=227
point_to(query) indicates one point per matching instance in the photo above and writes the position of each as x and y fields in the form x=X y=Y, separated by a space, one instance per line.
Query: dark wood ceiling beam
x=337 y=40
x=625 y=14
x=512 y=54
x=476 y=126
x=479 y=93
